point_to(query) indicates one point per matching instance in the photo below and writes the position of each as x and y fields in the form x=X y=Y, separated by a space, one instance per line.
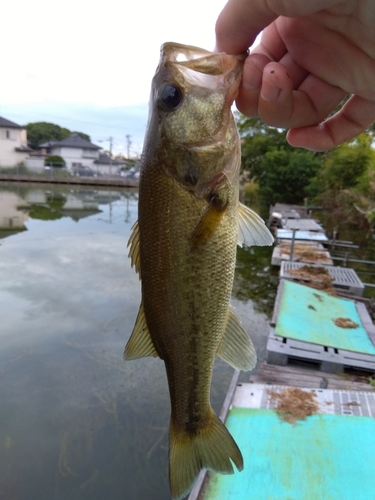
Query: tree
x=54 y=161
x=40 y=132
x=286 y=175
x=282 y=172
x=345 y=166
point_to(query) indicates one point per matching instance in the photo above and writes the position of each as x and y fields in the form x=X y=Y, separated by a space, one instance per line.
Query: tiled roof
x=106 y=160
x=7 y=123
x=74 y=141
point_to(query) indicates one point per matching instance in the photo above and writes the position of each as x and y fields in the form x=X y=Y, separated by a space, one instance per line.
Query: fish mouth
x=198 y=59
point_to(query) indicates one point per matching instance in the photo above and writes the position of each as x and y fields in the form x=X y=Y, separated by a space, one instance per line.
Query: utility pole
x=110 y=139
x=129 y=143
x=110 y=156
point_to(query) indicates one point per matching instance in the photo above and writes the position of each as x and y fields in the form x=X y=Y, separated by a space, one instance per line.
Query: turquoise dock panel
x=308 y=315
x=326 y=457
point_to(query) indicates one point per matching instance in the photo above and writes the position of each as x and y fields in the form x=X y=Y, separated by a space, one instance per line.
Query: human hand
x=311 y=56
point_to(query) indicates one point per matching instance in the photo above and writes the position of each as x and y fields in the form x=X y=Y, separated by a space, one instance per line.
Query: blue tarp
x=325 y=457
x=309 y=315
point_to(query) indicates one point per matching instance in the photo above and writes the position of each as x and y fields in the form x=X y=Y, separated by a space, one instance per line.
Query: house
x=107 y=165
x=76 y=151
x=13 y=143
x=81 y=157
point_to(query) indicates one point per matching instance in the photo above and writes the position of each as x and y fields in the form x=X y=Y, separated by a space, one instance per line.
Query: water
x=76 y=421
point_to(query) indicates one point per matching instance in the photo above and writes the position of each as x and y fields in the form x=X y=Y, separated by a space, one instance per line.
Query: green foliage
x=250 y=191
x=286 y=175
x=40 y=132
x=257 y=139
x=340 y=180
x=282 y=172
x=52 y=210
x=346 y=165
x=55 y=161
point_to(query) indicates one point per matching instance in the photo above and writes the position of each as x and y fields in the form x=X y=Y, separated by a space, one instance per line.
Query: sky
x=87 y=66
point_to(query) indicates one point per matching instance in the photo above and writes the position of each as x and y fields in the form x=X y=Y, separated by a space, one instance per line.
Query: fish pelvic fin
x=235 y=347
x=209 y=447
x=251 y=228
x=208 y=223
x=134 y=250
x=140 y=343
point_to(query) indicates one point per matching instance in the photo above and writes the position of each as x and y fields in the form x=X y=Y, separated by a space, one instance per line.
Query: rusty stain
x=294 y=404
x=345 y=323
x=319 y=297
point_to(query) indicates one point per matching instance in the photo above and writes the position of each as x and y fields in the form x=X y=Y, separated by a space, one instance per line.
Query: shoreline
x=86 y=181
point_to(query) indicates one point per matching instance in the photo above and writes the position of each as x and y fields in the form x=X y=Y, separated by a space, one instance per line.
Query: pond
x=76 y=421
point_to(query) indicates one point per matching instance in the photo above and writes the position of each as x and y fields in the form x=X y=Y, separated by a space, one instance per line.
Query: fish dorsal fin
x=236 y=348
x=207 y=224
x=251 y=228
x=140 y=343
x=134 y=244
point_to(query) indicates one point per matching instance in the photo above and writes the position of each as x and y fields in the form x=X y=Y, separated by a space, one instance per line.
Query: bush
x=54 y=161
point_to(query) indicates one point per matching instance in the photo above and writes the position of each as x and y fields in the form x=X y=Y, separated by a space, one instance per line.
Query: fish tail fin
x=209 y=447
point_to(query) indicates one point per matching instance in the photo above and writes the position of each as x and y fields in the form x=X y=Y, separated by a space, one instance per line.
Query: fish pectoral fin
x=251 y=228
x=236 y=347
x=209 y=447
x=140 y=344
x=134 y=244
x=208 y=223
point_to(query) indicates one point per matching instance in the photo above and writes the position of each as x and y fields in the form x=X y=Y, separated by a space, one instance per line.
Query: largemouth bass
x=184 y=248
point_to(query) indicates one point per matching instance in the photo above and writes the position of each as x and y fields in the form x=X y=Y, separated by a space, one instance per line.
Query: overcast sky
x=87 y=65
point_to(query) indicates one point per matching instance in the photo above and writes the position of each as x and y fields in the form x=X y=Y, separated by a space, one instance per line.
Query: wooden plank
x=302 y=377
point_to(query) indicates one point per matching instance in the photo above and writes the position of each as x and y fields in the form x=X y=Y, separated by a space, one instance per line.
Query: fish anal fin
x=134 y=251
x=236 y=347
x=140 y=343
x=251 y=228
x=208 y=223
x=209 y=447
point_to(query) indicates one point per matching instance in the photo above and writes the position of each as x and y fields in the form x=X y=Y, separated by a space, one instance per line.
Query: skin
x=311 y=56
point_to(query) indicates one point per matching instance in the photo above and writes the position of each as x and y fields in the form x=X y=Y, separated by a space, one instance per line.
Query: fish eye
x=170 y=97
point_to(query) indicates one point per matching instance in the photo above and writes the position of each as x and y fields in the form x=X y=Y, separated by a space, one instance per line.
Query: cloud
x=90 y=68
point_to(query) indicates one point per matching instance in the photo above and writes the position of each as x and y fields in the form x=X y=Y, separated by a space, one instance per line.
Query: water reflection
x=76 y=421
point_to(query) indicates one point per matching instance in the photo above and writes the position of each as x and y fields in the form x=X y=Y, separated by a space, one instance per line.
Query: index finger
x=241 y=21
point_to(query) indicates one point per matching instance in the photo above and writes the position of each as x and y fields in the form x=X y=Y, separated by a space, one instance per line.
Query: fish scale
x=184 y=247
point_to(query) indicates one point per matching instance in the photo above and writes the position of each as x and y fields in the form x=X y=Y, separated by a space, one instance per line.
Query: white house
x=13 y=143
x=107 y=165
x=12 y=218
x=76 y=151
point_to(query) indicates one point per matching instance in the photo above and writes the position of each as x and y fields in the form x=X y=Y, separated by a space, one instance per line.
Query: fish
x=183 y=246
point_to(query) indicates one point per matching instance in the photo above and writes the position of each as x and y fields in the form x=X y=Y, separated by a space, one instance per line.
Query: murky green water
x=76 y=421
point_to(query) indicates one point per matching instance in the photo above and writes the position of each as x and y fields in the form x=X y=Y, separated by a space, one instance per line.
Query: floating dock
x=307 y=252
x=329 y=454
x=321 y=349
x=331 y=333
x=301 y=235
x=343 y=279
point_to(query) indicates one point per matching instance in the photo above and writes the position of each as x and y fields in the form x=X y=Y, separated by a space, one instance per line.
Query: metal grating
x=330 y=401
x=302 y=225
x=344 y=278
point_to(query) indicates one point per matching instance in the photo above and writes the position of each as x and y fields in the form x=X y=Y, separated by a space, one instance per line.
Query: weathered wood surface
x=302 y=377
